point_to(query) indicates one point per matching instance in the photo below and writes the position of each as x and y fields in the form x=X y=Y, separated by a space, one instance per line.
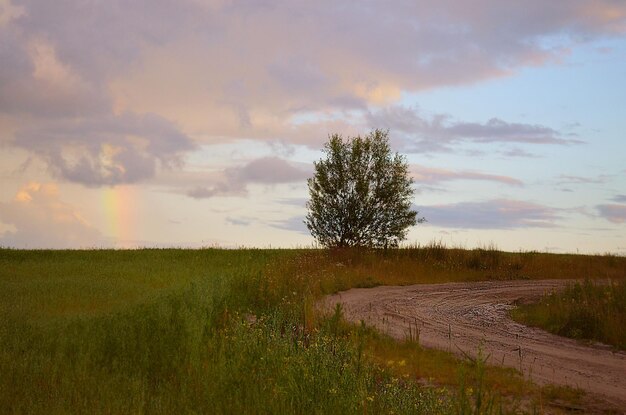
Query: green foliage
x=360 y=194
x=170 y=331
x=476 y=399
x=585 y=310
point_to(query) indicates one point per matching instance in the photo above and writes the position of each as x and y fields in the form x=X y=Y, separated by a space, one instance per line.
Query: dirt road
x=460 y=317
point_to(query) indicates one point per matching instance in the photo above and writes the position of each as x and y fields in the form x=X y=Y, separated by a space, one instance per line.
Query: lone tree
x=360 y=194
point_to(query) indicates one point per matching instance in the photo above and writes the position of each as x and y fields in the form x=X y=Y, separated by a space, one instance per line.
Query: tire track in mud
x=465 y=317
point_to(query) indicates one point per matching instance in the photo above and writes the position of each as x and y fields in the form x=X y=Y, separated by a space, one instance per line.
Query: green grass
x=584 y=310
x=165 y=331
x=232 y=331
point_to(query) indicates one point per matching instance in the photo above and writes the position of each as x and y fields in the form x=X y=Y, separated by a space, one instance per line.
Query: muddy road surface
x=463 y=317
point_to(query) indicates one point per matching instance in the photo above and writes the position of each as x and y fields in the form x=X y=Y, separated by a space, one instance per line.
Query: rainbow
x=119 y=210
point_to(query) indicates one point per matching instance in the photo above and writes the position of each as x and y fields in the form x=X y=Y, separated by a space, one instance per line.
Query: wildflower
x=402 y=363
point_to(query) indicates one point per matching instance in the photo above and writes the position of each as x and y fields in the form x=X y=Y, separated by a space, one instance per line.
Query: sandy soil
x=460 y=317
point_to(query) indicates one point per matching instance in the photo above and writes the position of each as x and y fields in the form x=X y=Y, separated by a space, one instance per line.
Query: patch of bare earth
x=465 y=317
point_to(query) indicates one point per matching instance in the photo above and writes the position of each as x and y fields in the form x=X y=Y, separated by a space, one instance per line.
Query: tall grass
x=584 y=310
x=322 y=272
x=167 y=331
x=225 y=331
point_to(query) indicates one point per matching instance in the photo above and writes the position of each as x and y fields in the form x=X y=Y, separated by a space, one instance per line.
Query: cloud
x=298 y=201
x=34 y=81
x=233 y=181
x=295 y=224
x=429 y=175
x=42 y=220
x=106 y=150
x=439 y=132
x=493 y=214
x=496 y=130
x=582 y=180
x=268 y=170
x=98 y=38
x=517 y=152
x=220 y=189
x=619 y=198
x=226 y=70
x=157 y=54
x=9 y=12
x=54 y=75
x=613 y=212
x=378 y=49
x=238 y=221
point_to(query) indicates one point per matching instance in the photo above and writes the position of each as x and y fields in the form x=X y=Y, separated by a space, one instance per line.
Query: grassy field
x=585 y=311
x=237 y=331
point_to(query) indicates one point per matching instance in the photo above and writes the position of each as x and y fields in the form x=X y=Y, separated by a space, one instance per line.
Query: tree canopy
x=361 y=194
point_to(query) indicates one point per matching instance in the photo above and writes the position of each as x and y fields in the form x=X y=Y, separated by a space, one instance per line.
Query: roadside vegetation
x=238 y=331
x=588 y=310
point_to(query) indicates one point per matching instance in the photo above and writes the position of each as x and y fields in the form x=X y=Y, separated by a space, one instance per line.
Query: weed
x=584 y=310
x=477 y=398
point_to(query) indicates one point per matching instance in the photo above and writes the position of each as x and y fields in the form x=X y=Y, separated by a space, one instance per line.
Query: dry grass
x=321 y=272
x=317 y=273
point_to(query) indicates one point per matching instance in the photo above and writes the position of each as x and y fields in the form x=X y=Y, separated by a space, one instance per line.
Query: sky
x=195 y=123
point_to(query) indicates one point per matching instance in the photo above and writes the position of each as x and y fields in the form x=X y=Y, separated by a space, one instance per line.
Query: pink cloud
x=106 y=150
x=42 y=220
x=613 y=212
x=429 y=175
x=233 y=181
x=440 y=132
x=228 y=70
x=492 y=214
x=564 y=178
